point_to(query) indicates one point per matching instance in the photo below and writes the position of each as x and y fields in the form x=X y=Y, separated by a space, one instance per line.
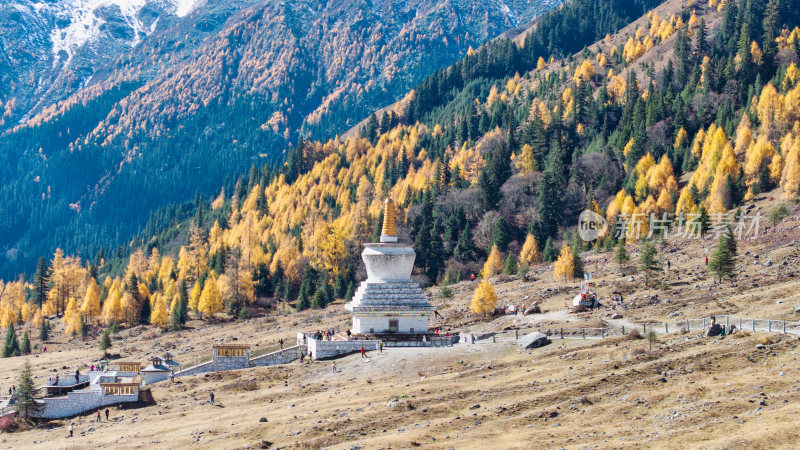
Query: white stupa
x=388 y=301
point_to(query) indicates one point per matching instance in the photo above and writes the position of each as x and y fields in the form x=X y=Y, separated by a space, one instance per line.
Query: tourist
x=381 y=347
x=668 y=264
x=172 y=375
x=472 y=336
x=70 y=430
x=363 y=352
x=310 y=356
x=98 y=416
x=281 y=342
x=301 y=357
x=334 y=367
x=56 y=381
x=211 y=397
x=348 y=334
x=106 y=414
x=523 y=309
x=472 y=277
x=77 y=376
x=706 y=260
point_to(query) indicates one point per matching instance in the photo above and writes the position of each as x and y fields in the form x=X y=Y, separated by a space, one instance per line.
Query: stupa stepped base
x=387 y=294
x=409 y=339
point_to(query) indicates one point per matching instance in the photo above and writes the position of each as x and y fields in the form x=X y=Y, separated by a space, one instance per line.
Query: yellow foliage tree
x=525 y=162
x=530 y=251
x=194 y=296
x=494 y=263
x=158 y=316
x=540 y=64
x=565 y=264
x=211 y=299
x=90 y=308
x=112 y=308
x=484 y=300
x=72 y=318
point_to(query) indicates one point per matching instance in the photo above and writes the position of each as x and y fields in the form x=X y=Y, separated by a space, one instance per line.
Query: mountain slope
x=203 y=96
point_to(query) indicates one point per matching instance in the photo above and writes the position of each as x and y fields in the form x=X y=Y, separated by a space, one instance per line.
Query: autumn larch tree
x=158 y=316
x=484 y=300
x=494 y=263
x=90 y=308
x=565 y=264
x=530 y=251
x=211 y=299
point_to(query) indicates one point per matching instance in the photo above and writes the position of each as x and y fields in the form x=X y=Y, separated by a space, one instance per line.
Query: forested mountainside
x=489 y=162
x=166 y=98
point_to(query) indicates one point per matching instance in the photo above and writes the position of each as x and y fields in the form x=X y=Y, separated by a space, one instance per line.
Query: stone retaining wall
x=284 y=356
x=331 y=349
x=218 y=364
x=79 y=402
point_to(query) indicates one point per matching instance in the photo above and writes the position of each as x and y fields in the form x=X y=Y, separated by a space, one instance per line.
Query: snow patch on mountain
x=81 y=22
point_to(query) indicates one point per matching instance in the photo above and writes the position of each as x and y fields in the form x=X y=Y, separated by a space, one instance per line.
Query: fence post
x=769 y=327
x=666 y=328
x=687 y=325
x=740 y=323
x=784 y=327
x=562 y=333
x=494 y=338
x=517 y=333
x=583 y=330
x=623 y=330
x=602 y=333
x=754 y=324
x=704 y=323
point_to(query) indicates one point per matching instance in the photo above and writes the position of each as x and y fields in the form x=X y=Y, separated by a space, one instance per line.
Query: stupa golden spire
x=388 y=233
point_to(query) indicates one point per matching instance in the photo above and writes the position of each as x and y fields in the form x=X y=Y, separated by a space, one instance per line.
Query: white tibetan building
x=388 y=302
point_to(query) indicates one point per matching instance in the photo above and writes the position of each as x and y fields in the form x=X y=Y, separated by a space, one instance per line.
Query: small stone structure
x=78 y=402
x=226 y=357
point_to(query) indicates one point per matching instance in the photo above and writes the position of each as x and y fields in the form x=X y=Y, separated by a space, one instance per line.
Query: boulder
x=533 y=340
x=534 y=309
x=715 y=330
x=797 y=309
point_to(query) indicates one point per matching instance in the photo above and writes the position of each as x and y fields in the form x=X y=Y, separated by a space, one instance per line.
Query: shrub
x=767 y=339
x=634 y=334
x=445 y=292
x=638 y=351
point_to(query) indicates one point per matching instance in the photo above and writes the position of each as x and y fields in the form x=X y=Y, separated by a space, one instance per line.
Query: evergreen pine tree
x=44 y=331
x=621 y=254
x=510 y=266
x=501 y=234
x=351 y=291
x=105 y=340
x=548 y=254
x=26 y=405
x=41 y=279
x=11 y=347
x=723 y=260
x=649 y=261
x=25 y=346
x=465 y=248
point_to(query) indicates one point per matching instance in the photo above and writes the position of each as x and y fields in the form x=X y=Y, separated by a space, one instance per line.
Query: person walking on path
x=77 y=376
x=98 y=416
x=281 y=342
x=310 y=356
x=706 y=260
x=106 y=414
x=668 y=264
x=70 y=430
x=381 y=347
x=363 y=352
x=334 y=367
x=211 y=398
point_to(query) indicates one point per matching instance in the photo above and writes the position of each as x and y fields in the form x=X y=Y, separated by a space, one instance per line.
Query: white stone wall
x=154 y=377
x=284 y=356
x=218 y=364
x=362 y=325
x=330 y=349
x=79 y=402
